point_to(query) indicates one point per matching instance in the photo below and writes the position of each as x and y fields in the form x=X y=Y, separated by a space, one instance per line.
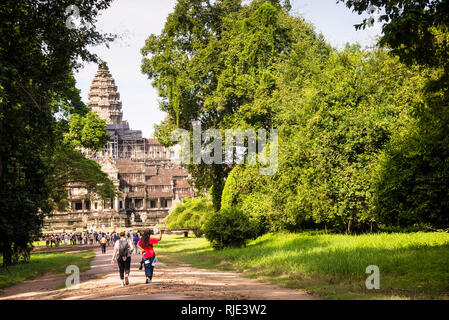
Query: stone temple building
x=145 y=173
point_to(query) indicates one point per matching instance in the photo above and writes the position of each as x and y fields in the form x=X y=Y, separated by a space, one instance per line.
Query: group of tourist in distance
x=125 y=243
x=77 y=238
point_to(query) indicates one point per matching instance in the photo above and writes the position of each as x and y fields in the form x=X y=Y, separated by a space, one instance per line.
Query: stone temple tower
x=149 y=182
x=104 y=98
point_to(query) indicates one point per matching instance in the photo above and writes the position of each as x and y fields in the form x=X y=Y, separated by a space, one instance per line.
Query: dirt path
x=178 y=282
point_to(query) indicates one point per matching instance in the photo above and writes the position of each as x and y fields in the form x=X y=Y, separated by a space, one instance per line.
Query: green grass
x=41 y=263
x=412 y=266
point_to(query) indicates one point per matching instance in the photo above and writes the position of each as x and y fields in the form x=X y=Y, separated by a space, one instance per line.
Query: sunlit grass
x=412 y=266
x=41 y=263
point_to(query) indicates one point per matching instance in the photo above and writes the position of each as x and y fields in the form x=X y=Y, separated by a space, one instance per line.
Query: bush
x=243 y=191
x=191 y=213
x=228 y=227
x=414 y=180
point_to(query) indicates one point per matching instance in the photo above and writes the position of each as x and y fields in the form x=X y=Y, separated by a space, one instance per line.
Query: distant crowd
x=124 y=243
x=84 y=238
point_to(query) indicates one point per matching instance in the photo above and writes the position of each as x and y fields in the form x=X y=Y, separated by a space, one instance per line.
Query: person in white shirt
x=123 y=249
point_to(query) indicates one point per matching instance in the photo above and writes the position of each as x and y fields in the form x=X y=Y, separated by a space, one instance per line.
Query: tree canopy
x=37 y=94
x=214 y=62
x=363 y=132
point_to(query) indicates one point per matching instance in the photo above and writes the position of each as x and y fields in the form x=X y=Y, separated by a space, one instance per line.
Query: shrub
x=191 y=213
x=228 y=227
x=414 y=180
x=243 y=191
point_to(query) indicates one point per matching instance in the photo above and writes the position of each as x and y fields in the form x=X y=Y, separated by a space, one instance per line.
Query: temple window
x=78 y=205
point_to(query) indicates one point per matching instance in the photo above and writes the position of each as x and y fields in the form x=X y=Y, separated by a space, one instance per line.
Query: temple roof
x=182 y=183
x=159 y=181
x=173 y=172
x=104 y=98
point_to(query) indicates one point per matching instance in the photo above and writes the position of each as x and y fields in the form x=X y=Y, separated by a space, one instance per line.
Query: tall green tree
x=413 y=187
x=415 y=30
x=37 y=55
x=336 y=116
x=214 y=63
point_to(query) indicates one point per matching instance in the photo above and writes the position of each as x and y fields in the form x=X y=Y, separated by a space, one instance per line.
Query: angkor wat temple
x=149 y=181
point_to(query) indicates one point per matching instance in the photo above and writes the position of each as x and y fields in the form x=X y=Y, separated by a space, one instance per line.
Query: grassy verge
x=412 y=266
x=41 y=263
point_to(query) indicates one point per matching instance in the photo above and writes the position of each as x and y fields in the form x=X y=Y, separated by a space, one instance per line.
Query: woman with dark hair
x=145 y=245
x=123 y=249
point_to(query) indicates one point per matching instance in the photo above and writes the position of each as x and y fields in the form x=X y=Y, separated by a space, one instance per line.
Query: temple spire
x=104 y=98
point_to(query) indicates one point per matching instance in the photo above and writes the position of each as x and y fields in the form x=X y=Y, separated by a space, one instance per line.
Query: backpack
x=123 y=248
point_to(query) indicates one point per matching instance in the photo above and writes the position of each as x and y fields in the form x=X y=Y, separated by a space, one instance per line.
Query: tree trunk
x=218 y=186
x=1 y=139
x=7 y=256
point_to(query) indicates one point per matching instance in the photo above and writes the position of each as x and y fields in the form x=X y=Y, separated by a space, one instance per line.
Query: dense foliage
x=37 y=96
x=228 y=227
x=334 y=130
x=416 y=30
x=191 y=214
x=413 y=183
x=213 y=63
x=363 y=133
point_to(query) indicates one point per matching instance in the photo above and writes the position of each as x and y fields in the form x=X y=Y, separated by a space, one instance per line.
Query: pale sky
x=136 y=19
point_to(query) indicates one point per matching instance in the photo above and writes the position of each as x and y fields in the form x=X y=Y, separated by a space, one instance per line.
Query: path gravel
x=170 y=282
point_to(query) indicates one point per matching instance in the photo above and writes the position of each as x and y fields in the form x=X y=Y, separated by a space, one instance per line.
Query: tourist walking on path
x=145 y=244
x=136 y=240
x=123 y=249
x=103 y=242
x=116 y=237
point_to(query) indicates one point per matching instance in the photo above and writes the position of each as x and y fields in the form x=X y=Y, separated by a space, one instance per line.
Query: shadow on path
x=102 y=282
